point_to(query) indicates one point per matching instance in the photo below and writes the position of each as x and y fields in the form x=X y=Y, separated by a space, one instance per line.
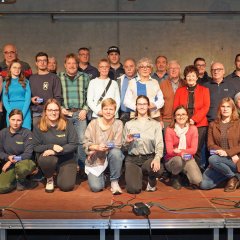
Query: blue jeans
x=115 y=159
x=220 y=169
x=80 y=126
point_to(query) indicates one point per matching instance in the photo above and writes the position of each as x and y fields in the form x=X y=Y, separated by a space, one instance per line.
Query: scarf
x=181 y=133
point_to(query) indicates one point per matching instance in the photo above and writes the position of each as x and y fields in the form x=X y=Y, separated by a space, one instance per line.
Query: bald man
x=219 y=88
x=10 y=54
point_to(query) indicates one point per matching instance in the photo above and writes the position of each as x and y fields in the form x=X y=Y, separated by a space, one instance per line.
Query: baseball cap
x=113 y=49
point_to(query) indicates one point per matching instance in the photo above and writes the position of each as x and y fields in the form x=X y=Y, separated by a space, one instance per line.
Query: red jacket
x=201 y=103
x=172 y=141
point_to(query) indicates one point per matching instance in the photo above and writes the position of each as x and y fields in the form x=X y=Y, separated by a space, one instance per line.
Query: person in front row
x=181 y=140
x=16 y=155
x=55 y=140
x=142 y=137
x=102 y=143
x=224 y=147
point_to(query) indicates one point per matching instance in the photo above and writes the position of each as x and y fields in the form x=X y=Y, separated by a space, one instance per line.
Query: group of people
x=118 y=119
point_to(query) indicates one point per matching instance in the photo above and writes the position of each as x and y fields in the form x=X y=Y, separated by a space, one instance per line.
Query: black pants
x=66 y=171
x=134 y=171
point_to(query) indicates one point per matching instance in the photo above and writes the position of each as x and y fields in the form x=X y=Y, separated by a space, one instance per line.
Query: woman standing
x=196 y=99
x=15 y=155
x=103 y=140
x=224 y=146
x=17 y=93
x=145 y=85
x=142 y=137
x=181 y=140
x=55 y=140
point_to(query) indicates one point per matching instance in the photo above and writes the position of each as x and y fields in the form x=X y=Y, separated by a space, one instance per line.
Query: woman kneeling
x=55 y=140
x=181 y=144
x=103 y=140
x=15 y=155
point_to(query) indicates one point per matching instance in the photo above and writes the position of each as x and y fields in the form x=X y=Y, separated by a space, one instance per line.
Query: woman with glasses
x=181 y=140
x=196 y=99
x=224 y=147
x=17 y=94
x=16 y=155
x=102 y=143
x=145 y=85
x=142 y=138
x=55 y=141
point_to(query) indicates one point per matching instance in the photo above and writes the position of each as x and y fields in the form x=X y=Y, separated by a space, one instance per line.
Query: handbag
x=90 y=112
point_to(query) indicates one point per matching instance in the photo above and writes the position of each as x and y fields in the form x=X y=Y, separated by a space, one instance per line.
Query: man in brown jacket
x=169 y=87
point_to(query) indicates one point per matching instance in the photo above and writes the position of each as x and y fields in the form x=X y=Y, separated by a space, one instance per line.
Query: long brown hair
x=44 y=123
x=21 y=77
x=234 y=115
x=172 y=124
x=147 y=99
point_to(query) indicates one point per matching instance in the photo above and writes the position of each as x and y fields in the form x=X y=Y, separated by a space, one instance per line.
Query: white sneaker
x=50 y=185
x=150 y=189
x=115 y=188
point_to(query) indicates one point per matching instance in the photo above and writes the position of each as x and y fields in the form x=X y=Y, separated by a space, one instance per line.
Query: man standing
x=84 y=65
x=116 y=68
x=130 y=72
x=74 y=90
x=235 y=75
x=44 y=85
x=52 y=65
x=161 y=74
x=169 y=87
x=200 y=64
x=219 y=88
x=10 y=54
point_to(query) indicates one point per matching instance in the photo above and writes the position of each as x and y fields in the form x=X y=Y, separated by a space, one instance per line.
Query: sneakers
x=150 y=189
x=25 y=184
x=49 y=185
x=115 y=188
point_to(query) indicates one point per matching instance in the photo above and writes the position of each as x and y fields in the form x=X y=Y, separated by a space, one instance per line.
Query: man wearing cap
x=116 y=68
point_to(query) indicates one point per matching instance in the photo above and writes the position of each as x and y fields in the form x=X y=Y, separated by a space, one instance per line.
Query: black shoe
x=26 y=185
x=175 y=182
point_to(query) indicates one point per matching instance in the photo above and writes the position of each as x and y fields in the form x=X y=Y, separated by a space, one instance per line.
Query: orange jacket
x=201 y=103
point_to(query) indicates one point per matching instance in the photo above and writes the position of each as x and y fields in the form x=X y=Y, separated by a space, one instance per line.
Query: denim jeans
x=115 y=159
x=80 y=126
x=220 y=169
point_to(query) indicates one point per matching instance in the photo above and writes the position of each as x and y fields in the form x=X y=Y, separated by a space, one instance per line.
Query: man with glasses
x=219 y=88
x=44 y=85
x=200 y=64
x=10 y=54
x=169 y=88
x=84 y=65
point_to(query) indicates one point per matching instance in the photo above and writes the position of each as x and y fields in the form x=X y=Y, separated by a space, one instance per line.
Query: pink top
x=172 y=141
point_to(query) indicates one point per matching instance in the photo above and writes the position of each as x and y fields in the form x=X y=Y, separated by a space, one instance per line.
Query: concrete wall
x=214 y=37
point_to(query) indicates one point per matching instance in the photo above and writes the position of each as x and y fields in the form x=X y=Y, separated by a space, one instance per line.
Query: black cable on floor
x=24 y=231
x=150 y=228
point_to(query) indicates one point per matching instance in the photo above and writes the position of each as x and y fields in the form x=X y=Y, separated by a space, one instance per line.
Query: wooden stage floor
x=170 y=208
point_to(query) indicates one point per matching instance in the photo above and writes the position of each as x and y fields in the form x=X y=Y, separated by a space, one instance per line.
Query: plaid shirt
x=74 y=91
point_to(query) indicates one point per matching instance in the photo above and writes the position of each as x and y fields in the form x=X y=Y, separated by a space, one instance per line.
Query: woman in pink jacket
x=181 y=140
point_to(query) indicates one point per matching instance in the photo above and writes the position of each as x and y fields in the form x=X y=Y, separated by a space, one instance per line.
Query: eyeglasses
x=53 y=110
x=217 y=69
x=142 y=104
x=145 y=67
x=9 y=53
x=181 y=115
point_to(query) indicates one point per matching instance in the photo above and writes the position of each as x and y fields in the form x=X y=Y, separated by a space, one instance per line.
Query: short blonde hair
x=107 y=102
